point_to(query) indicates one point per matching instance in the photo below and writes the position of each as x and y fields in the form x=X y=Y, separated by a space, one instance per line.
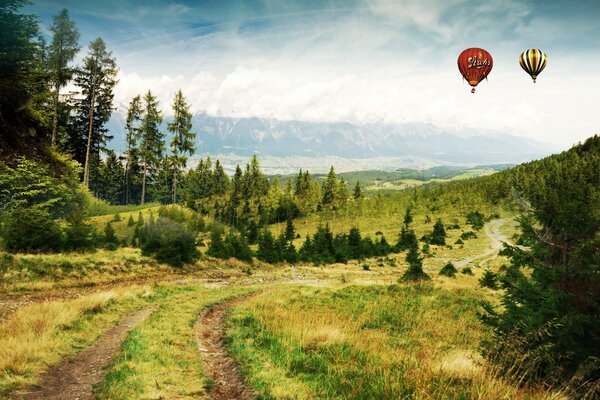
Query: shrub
x=459 y=241
x=130 y=221
x=116 y=218
x=169 y=242
x=449 y=270
x=366 y=267
x=466 y=271
x=476 y=219
x=31 y=229
x=468 y=235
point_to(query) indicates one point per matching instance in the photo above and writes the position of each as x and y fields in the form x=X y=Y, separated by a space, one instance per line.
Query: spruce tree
x=329 y=188
x=151 y=140
x=220 y=179
x=111 y=179
x=290 y=231
x=438 y=236
x=132 y=127
x=62 y=50
x=415 y=265
x=96 y=80
x=357 y=191
x=182 y=142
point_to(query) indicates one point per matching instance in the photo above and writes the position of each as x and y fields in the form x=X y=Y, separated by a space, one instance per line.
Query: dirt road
x=218 y=366
x=73 y=378
x=492 y=230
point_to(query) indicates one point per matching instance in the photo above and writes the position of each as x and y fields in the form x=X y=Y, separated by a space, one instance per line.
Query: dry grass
x=39 y=335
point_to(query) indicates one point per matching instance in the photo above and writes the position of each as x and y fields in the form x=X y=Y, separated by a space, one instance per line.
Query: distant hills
x=418 y=144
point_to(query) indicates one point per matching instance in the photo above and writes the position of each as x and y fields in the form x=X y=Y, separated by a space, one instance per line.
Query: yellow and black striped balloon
x=533 y=61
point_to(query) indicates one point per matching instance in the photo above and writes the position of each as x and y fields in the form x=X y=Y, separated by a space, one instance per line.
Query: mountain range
x=425 y=143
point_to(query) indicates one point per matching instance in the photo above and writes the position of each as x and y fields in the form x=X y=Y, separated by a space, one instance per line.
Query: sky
x=361 y=61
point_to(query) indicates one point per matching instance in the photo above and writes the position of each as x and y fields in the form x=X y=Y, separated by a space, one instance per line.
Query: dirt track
x=222 y=369
x=73 y=378
x=492 y=230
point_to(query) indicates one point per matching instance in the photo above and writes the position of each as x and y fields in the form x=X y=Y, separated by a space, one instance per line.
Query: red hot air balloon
x=475 y=64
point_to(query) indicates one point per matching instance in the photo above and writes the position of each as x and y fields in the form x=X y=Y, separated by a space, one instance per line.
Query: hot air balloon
x=475 y=64
x=533 y=61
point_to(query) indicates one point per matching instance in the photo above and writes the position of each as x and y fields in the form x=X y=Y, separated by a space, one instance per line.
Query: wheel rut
x=219 y=366
x=74 y=378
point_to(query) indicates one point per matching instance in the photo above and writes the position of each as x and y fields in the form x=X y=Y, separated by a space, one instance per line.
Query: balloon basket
x=473 y=90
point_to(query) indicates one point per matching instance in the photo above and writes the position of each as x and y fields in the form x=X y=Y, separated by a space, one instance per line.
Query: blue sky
x=362 y=61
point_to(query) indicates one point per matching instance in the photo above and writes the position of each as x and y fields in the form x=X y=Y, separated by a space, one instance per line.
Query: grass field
x=332 y=331
x=367 y=342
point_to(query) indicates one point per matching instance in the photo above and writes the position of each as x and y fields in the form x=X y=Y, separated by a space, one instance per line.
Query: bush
x=466 y=271
x=459 y=241
x=366 y=267
x=468 y=235
x=169 y=242
x=130 y=221
x=476 y=219
x=449 y=270
x=31 y=229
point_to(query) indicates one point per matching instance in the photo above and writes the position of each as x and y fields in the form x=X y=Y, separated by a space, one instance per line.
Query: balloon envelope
x=533 y=61
x=475 y=64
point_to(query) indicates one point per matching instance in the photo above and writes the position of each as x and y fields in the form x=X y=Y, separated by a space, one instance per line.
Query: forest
x=76 y=215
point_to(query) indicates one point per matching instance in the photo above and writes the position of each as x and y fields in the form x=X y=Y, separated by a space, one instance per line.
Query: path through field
x=222 y=369
x=492 y=230
x=73 y=379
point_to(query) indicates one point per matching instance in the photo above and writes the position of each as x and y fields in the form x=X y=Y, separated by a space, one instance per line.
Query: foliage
x=476 y=219
x=169 y=242
x=31 y=230
x=552 y=289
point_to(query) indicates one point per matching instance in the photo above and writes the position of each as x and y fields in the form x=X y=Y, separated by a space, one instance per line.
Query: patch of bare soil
x=222 y=369
x=73 y=379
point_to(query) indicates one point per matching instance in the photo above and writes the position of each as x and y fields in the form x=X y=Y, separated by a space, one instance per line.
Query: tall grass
x=377 y=342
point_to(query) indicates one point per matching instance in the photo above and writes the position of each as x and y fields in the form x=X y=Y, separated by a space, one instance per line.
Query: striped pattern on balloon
x=533 y=61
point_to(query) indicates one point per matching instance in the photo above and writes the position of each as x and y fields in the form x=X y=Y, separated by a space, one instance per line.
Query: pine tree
x=329 y=188
x=111 y=179
x=290 y=231
x=151 y=140
x=96 y=80
x=220 y=179
x=183 y=139
x=132 y=126
x=438 y=236
x=357 y=191
x=110 y=238
x=407 y=237
x=62 y=50
x=415 y=265
x=341 y=194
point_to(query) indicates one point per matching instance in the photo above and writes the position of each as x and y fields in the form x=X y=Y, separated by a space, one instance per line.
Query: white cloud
x=390 y=61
